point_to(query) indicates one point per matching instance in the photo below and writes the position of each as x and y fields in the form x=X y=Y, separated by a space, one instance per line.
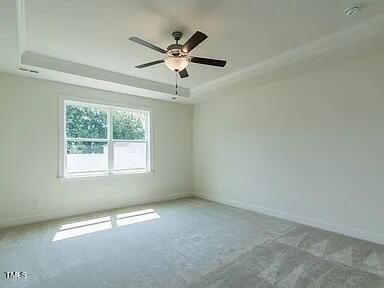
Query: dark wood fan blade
x=183 y=73
x=147 y=44
x=207 y=61
x=195 y=40
x=150 y=63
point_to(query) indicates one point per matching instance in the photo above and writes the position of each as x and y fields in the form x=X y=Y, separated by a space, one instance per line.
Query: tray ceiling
x=95 y=32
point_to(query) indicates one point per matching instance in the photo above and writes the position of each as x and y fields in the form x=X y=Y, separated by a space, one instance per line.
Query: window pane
x=86 y=122
x=128 y=125
x=130 y=155
x=85 y=156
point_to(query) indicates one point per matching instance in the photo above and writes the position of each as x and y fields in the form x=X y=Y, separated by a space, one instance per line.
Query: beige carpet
x=185 y=243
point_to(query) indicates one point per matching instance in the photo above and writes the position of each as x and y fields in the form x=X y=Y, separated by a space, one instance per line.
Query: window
x=104 y=140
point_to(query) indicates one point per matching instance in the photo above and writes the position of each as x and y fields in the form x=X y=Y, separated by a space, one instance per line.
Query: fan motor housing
x=174 y=50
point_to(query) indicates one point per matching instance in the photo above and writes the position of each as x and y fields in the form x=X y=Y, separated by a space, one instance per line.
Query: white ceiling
x=245 y=32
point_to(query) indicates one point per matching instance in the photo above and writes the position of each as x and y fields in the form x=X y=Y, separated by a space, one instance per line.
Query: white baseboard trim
x=340 y=229
x=10 y=222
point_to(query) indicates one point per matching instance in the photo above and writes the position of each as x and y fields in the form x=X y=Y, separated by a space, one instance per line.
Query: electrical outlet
x=34 y=202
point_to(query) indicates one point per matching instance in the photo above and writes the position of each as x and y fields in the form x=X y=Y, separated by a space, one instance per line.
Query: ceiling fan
x=177 y=56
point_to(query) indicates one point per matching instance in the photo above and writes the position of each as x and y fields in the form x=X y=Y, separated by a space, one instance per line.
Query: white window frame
x=64 y=100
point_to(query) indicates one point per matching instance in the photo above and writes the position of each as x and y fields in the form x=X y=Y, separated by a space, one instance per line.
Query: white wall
x=310 y=148
x=29 y=117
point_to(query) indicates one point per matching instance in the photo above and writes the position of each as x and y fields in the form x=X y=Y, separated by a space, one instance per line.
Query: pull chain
x=176 y=84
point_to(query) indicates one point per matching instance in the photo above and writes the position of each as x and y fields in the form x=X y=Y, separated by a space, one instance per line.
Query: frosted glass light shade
x=176 y=63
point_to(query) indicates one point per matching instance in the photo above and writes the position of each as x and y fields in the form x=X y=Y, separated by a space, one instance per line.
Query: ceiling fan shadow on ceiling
x=177 y=56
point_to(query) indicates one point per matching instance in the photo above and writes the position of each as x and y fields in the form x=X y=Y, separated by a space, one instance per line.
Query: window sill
x=102 y=175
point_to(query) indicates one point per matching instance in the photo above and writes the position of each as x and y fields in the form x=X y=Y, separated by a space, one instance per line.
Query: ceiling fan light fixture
x=176 y=64
x=177 y=56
